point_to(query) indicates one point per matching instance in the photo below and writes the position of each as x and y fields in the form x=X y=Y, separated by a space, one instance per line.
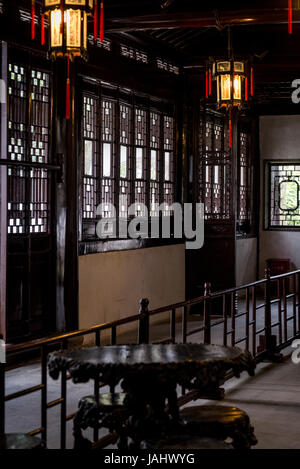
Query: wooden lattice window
x=169 y=166
x=215 y=179
x=155 y=143
x=125 y=159
x=244 y=184
x=107 y=164
x=140 y=153
x=283 y=195
x=91 y=157
x=128 y=158
x=28 y=141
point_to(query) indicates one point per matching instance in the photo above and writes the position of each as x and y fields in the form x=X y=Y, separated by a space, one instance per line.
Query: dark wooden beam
x=200 y=19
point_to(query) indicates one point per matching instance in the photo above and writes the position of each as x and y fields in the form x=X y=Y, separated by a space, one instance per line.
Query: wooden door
x=30 y=293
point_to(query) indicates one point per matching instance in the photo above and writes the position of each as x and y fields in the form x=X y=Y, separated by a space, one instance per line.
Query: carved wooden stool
x=184 y=442
x=20 y=441
x=106 y=413
x=221 y=422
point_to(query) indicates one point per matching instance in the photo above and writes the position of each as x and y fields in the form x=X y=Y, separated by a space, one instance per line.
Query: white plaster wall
x=111 y=284
x=246 y=260
x=279 y=139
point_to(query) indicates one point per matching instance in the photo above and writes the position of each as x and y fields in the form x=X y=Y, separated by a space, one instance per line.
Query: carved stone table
x=149 y=375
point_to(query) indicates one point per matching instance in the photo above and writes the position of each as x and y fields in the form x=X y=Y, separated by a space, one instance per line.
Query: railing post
x=268 y=341
x=268 y=312
x=143 y=333
x=2 y=396
x=63 y=408
x=44 y=393
x=207 y=311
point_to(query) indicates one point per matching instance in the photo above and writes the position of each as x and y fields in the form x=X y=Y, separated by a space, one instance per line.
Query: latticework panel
x=91 y=157
x=284 y=195
x=214 y=169
x=169 y=163
x=140 y=161
x=135 y=145
x=28 y=140
x=125 y=159
x=155 y=160
x=108 y=122
x=244 y=179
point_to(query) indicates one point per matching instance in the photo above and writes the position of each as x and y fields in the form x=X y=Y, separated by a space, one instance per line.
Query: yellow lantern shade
x=230 y=82
x=68 y=26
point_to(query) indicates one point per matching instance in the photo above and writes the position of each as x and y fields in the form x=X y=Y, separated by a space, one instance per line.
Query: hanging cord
x=230 y=129
x=62 y=17
x=101 y=21
x=230 y=57
x=68 y=94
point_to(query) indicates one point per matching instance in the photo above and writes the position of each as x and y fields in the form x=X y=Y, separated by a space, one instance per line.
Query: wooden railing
x=267 y=321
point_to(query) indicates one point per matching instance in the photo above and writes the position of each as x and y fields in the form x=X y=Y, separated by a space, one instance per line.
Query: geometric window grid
x=155 y=160
x=243 y=178
x=90 y=157
x=214 y=169
x=125 y=160
x=284 y=195
x=28 y=140
x=168 y=164
x=140 y=152
x=135 y=148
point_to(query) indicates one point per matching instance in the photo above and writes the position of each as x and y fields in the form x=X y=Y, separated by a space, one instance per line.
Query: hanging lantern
x=68 y=26
x=231 y=82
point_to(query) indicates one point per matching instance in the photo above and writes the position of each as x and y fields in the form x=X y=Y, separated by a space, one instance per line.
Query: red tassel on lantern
x=32 y=19
x=209 y=82
x=246 y=89
x=68 y=94
x=43 y=30
x=251 y=82
x=290 y=20
x=95 y=20
x=101 y=22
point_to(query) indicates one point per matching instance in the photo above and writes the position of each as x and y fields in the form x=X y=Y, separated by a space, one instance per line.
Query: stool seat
x=184 y=442
x=221 y=421
x=19 y=441
x=224 y=415
x=108 y=400
x=107 y=412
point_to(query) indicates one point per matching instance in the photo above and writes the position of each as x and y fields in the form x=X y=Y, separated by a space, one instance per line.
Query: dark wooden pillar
x=3 y=197
x=67 y=200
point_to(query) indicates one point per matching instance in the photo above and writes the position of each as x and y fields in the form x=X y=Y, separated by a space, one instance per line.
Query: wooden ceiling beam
x=201 y=19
